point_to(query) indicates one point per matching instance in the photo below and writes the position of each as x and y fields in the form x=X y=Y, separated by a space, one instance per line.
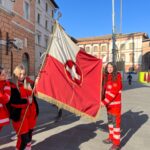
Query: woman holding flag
x=112 y=86
x=24 y=110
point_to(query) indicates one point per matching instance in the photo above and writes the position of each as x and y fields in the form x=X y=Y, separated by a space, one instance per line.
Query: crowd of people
x=18 y=103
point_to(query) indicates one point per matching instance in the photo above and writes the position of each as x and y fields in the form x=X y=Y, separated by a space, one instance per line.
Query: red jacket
x=112 y=91
x=5 y=92
x=20 y=99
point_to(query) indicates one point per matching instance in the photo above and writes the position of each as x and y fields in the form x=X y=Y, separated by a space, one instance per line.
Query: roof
x=54 y=3
x=107 y=37
x=146 y=40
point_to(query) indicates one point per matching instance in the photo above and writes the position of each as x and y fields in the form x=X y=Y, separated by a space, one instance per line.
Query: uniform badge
x=109 y=86
x=115 y=84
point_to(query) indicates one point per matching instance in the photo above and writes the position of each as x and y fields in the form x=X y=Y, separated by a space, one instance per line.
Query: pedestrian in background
x=129 y=79
x=112 y=86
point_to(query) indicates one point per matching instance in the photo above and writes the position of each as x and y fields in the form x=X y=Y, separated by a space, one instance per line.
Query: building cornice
x=7 y=12
x=54 y=3
x=28 y=30
x=109 y=37
x=17 y=14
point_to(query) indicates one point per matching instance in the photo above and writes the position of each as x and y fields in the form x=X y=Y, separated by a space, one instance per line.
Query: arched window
x=122 y=57
x=131 y=46
x=122 y=47
x=95 y=49
x=103 y=48
x=25 y=61
x=131 y=57
x=87 y=49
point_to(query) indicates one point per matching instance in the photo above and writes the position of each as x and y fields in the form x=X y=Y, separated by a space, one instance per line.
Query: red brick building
x=17 y=34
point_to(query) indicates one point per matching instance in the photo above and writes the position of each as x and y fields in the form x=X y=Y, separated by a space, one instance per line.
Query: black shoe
x=107 y=141
x=57 y=119
x=115 y=147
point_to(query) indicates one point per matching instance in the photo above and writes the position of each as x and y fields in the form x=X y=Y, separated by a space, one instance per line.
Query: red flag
x=145 y=77
x=70 y=78
x=148 y=78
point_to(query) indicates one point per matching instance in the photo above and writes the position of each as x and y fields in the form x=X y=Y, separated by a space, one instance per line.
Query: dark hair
x=1 y=69
x=114 y=73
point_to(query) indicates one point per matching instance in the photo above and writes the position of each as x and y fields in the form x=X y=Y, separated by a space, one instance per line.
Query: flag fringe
x=67 y=107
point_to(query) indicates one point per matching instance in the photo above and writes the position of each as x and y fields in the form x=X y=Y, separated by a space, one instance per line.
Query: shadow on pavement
x=69 y=139
x=9 y=148
x=134 y=85
x=130 y=124
x=45 y=122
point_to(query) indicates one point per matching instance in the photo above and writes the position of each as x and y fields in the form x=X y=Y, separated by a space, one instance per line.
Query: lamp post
x=113 y=33
x=9 y=43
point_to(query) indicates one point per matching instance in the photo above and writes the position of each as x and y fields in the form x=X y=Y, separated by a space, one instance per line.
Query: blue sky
x=86 y=18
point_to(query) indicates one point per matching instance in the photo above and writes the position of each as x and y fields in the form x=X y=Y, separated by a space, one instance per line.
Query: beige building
x=129 y=49
x=146 y=55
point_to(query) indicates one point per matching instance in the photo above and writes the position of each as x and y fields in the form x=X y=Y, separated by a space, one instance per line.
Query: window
x=26 y=10
x=46 y=24
x=46 y=7
x=122 y=47
x=131 y=45
x=39 y=1
x=38 y=18
x=52 y=14
x=0 y=1
x=131 y=57
x=39 y=39
x=52 y=28
x=25 y=42
x=87 y=49
x=46 y=42
x=95 y=49
x=103 y=48
x=40 y=54
x=122 y=57
x=103 y=56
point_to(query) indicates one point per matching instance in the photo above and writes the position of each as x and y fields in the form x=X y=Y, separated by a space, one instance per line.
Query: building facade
x=129 y=49
x=43 y=29
x=146 y=55
x=17 y=34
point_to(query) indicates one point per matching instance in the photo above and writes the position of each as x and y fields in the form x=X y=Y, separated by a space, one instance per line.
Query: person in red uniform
x=24 y=108
x=5 y=92
x=112 y=86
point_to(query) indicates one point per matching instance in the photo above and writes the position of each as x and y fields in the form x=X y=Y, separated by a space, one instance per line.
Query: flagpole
x=55 y=24
x=120 y=16
x=113 y=33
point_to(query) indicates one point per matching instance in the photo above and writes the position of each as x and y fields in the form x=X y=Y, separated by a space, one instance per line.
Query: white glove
x=30 y=99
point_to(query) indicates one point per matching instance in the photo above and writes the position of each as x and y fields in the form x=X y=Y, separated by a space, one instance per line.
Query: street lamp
x=9 y=43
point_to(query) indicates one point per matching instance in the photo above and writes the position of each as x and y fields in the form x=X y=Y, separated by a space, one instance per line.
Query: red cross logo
x=73 y=72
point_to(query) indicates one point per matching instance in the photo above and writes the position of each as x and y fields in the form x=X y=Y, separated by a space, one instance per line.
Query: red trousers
x=114 y=120
x=24 y=126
